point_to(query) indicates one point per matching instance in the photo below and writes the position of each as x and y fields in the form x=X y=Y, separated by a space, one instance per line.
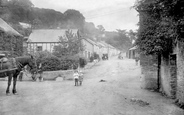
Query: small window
x=39 y=48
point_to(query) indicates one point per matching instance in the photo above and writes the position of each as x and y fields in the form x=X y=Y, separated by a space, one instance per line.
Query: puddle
x=139 y=102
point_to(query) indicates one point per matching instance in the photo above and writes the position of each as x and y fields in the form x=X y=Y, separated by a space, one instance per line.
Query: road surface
x=111 y=87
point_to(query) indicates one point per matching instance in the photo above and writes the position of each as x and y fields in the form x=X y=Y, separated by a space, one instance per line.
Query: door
x=173 y=73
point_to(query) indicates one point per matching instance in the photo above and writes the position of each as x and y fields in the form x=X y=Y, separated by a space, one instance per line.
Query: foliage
x=11 y=43
x=52 y=63
x=70 y=62
x=15 y=11
x=161 y=25
x=42 y=54
x=69 y=45
x=96 y=56
x=91 y=58
x=74 y=19
x=49 y=61
x=82 y=62
x=120 y=39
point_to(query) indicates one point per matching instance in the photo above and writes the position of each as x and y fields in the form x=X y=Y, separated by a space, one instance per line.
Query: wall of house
x=180 y=74
x=96 y=49
x=88 y=48
x=148 y=72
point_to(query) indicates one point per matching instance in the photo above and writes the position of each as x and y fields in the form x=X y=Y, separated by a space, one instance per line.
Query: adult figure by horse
x=12 y=67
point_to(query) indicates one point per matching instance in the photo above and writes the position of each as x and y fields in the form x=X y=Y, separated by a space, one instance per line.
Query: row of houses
x=46 y=39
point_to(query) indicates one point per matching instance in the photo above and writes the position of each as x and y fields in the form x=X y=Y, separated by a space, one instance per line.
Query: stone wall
x=149 y=72
x=168 y=75
x=180 y=75
x=165 y=76
x=173 y=73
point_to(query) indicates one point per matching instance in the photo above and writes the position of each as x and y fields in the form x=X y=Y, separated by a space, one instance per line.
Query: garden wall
x=148 y=72
x=180 y=74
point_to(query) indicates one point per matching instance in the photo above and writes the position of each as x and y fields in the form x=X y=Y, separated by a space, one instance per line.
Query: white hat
x=2 y=55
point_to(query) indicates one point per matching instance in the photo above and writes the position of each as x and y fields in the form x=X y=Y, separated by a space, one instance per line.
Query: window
x=39 y=48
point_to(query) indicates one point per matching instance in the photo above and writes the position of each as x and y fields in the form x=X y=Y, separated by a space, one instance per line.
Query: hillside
x=15 y=11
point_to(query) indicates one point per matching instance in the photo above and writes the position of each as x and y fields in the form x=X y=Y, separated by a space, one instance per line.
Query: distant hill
x=15 y=11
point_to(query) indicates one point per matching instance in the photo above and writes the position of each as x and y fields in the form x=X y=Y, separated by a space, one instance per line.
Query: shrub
x=82 y=62
x=73 y=62
x=49 y=61
x=52 y=63
x=68 y=64
x=91 y=59
x=96 y=56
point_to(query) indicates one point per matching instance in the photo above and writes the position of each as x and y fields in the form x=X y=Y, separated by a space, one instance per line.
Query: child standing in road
x=76 y=77
x=80 y=77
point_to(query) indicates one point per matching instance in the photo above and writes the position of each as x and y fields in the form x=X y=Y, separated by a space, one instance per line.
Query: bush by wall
x=49 y=61
x=91 y=58
x=82 y=62
x=96 y=56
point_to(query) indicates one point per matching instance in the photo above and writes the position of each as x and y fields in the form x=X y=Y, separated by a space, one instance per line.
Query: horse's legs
x=9 y=83
x=14 y=84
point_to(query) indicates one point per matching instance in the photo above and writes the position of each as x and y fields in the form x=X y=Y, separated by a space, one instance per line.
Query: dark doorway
x=173 y=73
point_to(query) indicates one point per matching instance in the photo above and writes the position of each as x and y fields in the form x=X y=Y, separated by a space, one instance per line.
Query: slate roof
x=7 y=28
x=91 y=41
x=133 y=48
x=49 y=35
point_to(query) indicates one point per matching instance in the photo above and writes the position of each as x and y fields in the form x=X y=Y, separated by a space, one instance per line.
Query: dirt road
x=118 y=94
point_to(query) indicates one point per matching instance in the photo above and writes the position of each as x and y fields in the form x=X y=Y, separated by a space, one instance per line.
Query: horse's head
x=32 y=63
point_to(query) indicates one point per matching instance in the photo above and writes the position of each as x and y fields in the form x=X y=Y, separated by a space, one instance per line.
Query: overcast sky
x=112 y=14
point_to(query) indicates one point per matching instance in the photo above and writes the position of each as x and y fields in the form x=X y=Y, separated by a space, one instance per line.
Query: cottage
x=11 y=40
x=88 y=48
x=132 y=53
x=46 y=39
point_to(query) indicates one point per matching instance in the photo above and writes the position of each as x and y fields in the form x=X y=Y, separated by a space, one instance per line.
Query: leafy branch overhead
x=161 y=25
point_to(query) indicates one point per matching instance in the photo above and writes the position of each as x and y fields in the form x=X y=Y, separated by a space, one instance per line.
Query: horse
x=13 y=67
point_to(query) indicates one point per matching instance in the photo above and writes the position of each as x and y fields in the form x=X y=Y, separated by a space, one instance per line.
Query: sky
x=112 y=14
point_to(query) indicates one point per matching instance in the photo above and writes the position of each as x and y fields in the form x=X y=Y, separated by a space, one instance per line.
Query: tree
x=70 y=45
x=24 y=3
x=119 y=39
x=90 y=30
x=74 y=19
x=101 y=32
x=159 y=25
x=132 y=35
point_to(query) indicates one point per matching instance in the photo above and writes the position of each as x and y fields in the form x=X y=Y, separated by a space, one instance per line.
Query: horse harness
x=4 y=60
